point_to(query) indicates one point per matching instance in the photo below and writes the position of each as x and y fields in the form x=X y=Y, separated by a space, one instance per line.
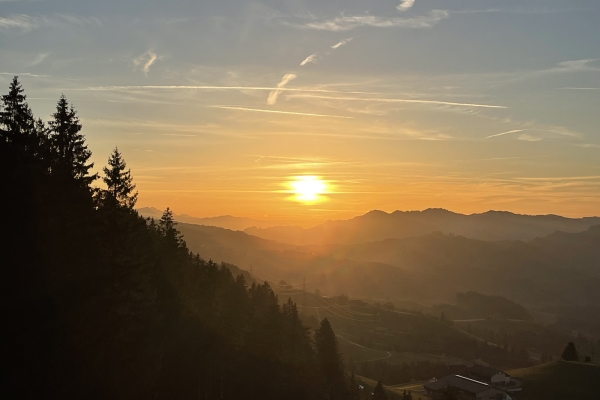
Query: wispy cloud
x=387 y=100
x=21 y=21
x=27 y=23
x=310 y=59
x=39 y=59
x=24 y=74
x=346 y=23
x=558 y=130
x=580 y=88
x=145 y=61
x=565 y=67
x=405 y=5
x=208 y=87
x=505 y=133
x=279 y=112
x=529 y=138
x=341 y=43
x=573 y=66
x=272 y=99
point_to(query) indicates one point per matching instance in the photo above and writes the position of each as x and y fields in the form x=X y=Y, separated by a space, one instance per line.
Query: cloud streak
x=145 y=61
x=208 y=87
x=310 y=59
x=279 y=112
x=341 y=43
x=529 y=138
x=505 y=133
x=346 y=23
x=405 y=5
x=387 y=100
x=27 y=23
x=272 y=99
x=39 y=59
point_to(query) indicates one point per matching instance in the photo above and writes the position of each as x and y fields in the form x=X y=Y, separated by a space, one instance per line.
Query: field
x=559 y=381
x=358 y=353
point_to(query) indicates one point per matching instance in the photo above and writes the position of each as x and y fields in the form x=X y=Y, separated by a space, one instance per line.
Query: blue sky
x=467 y=105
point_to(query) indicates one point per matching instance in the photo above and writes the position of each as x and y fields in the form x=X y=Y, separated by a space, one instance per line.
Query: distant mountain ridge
x=562 y=268
x=222 y=221
x=379 y=225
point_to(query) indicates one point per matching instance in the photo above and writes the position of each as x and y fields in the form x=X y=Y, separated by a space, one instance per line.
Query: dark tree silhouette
x=379 y=392
x=119 y=183
x=570 y=353
x=330 y=360
x=105 y=304
x=16 y=120
x=72 y=154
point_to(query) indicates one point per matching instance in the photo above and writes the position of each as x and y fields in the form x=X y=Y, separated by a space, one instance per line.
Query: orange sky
x=217 y=105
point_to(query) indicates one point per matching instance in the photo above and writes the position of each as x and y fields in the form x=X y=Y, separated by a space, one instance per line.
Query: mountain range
x=559 y=268
x=379 y=225
x=223 y=221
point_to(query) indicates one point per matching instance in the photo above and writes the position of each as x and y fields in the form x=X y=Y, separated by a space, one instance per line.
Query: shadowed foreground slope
x=559 y=381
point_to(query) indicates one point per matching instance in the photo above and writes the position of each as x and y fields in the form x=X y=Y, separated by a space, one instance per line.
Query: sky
x=468 y=105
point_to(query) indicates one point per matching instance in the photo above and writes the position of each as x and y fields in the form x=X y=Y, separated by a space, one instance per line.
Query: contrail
x=341 y=43
x=272 y=99
x=384 y=100
x=263 y=88
x=310 y=59
x=505 y=133
x=278 y=112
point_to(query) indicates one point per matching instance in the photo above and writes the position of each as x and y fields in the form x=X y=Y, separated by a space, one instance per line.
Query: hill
x=559 y=380
x=561 y=269
x=558 y=273
x=222 y=221
x=379 y=225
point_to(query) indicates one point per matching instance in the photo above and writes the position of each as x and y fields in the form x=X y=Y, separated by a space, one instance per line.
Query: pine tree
x=16 y=118
x=72 y=154
x=172 y=236
x=330 y=360
x=570 y=353
x=379 y=392
x=119 y=183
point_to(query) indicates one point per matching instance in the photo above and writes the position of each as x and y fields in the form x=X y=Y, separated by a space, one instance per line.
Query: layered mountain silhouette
x=379 y=225
x=223 y=221
x=561 y=268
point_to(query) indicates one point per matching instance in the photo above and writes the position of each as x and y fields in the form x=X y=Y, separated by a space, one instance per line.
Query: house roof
x=481 y=370
x=458 y=381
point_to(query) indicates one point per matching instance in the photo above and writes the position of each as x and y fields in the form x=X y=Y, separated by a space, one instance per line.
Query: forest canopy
x=106 y=304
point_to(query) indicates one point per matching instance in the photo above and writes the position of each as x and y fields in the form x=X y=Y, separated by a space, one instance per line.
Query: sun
x=308 y=189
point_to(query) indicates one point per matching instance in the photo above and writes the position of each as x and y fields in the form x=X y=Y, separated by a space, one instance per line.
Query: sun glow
x=308 y=189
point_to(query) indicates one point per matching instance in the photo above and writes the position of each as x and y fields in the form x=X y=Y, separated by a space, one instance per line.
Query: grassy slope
x=559 y=381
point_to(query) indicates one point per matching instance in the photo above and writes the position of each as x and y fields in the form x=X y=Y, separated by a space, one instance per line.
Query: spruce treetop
x=120 y=186
x=72 y=152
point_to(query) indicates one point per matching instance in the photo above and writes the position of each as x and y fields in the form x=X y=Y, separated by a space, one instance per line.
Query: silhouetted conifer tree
x=570 y=353
x=379 y=392
x=330 y=360
x=16 y=120
x=72 y=154
x=166 y=225
x=119 y=183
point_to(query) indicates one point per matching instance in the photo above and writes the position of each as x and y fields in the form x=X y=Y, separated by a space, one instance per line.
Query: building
x=465 y=388
x=487 y=374
x=493 y=376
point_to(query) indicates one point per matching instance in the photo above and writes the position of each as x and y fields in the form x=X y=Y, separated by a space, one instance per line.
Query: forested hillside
x=101 y=303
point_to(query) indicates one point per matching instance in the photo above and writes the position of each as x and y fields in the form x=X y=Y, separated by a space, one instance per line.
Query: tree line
x=102 y=303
